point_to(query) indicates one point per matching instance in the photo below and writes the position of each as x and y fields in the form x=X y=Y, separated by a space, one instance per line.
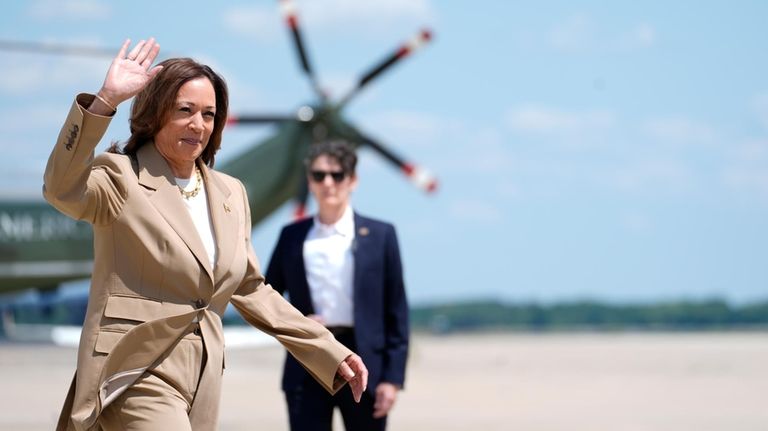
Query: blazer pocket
x=106 y=340
x=142 y=309
x=131 y=308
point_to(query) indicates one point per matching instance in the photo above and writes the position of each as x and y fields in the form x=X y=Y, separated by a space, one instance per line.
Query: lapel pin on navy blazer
x=362 y=232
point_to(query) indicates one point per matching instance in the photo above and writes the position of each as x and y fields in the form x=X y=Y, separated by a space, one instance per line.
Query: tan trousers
x=162 y=397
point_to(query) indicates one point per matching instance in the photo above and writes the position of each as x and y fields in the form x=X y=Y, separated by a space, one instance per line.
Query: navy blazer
x=380 y=307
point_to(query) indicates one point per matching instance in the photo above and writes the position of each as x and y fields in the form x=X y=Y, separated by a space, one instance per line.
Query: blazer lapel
x=224 y=220
x=359 y=245
x=296 y=254
x=155 y=174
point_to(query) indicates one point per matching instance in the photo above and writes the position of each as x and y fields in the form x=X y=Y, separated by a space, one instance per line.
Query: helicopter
x=42 y=248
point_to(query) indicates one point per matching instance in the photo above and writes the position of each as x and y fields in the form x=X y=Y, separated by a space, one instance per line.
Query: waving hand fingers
x=130 y=71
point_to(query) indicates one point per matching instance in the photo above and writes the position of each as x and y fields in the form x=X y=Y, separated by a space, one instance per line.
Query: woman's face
x=185 y=135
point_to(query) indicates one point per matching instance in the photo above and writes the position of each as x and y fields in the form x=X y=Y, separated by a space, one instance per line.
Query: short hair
x=341 y=151
x=152 y=106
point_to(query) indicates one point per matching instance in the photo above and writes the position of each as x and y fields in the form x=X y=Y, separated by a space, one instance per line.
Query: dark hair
x=341 y=151
x=151 y=108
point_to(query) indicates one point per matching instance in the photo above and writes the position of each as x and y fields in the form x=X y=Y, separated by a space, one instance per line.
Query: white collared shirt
x=329 y=265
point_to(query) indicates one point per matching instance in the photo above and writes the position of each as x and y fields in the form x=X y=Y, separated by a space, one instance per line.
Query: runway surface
x=617 y=382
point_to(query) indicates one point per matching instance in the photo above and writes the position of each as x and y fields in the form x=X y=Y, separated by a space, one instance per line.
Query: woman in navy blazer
x=343 y=270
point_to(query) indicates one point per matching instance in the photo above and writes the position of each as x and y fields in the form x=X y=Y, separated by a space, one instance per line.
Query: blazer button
x=199 y=304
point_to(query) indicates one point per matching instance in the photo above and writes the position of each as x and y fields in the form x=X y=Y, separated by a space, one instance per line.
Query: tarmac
x=498 y=381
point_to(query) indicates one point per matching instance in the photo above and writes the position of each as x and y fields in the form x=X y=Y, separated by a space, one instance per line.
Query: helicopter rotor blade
x=288 y=9
x=304 y=114
x=422 y=178
x=235 y=120
x=300 y=201
x=56 y=48
x=423 y=37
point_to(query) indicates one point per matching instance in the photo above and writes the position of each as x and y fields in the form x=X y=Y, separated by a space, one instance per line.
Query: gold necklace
x=189 y=195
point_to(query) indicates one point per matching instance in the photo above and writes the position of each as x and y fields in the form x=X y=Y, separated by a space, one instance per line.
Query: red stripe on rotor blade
x=289 y=12
x=299 y=212
x=407 y=168
x=292 y=22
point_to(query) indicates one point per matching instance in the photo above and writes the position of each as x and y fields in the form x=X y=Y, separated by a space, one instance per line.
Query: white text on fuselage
x=27 y=226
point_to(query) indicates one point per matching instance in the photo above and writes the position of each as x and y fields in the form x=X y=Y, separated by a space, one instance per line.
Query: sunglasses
x=319 y=176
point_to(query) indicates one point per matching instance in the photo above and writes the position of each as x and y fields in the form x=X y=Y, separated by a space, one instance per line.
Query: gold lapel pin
x=363 y=231
x=226 y=207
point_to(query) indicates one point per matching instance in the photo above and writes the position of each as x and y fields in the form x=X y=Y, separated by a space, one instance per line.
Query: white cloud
x=679 y=130
x=746 y=168
x=70 y=9
x=482 y=152
x=486 y=152
x=19 y=78
x=751 y=151
x=31 y=118
x=508 y=190
x=636 y=222
x=643 y=35
x=580 y=33
x=654 y=176
x=32 y=75
x=476 y=211
x=258 y=22
x=355 y=16
x=747 y=179
x=575 y=34
x=760 y=106
x=535 y=119
x=419 y=128
x=330 y=13
x=337 y=84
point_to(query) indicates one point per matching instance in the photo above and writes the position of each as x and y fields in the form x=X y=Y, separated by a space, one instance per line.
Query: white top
x=330 y=265
x=198 y=209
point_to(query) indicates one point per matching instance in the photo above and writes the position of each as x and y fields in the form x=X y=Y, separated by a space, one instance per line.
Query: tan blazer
x=152 y=278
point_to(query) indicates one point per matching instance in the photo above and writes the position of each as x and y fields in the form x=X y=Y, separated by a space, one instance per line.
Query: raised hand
x=130 y=71
x=354 y=372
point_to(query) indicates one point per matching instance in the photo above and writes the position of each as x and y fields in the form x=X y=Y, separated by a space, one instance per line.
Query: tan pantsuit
x=153 y=285
x=163 y=396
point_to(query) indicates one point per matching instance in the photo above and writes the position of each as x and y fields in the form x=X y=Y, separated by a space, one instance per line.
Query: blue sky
x=603 y=150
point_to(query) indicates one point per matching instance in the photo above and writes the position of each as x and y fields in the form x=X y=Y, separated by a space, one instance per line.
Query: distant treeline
x=682 y=315
x=485 y=315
